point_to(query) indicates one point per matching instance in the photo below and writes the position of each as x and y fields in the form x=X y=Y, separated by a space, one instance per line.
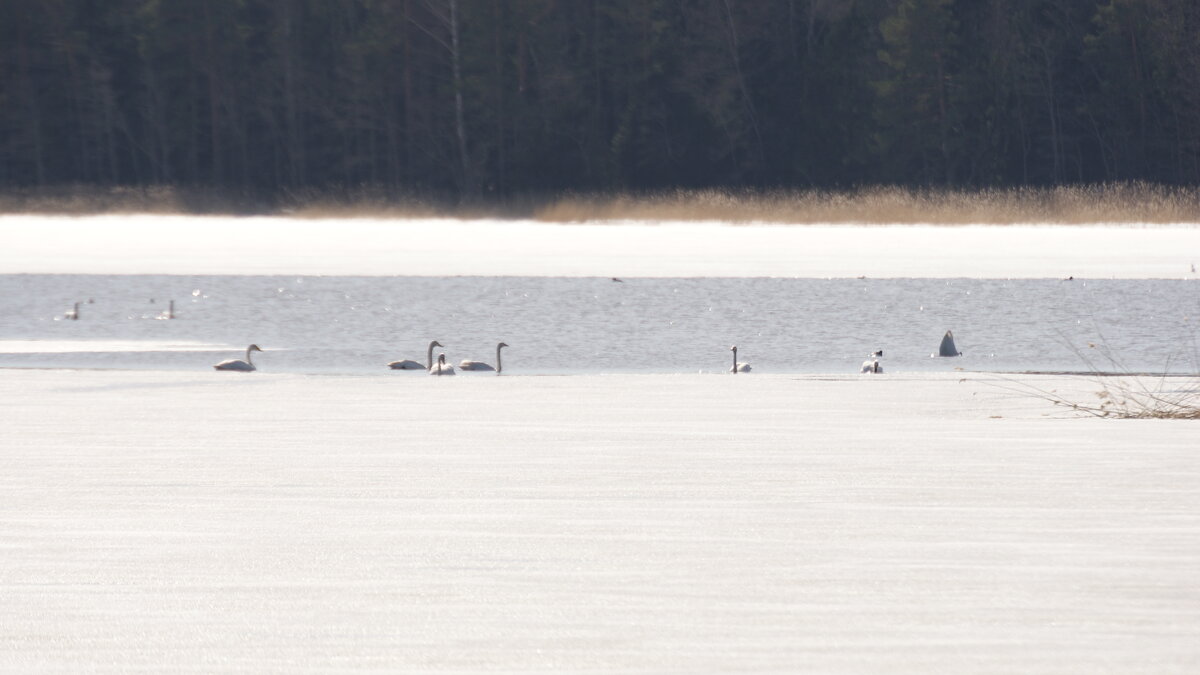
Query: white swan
x=872 y=366
x=480 y=365
x=237 y=364
x=441 y=367
x=738 y=367
x=407 y=364
x=72 y=314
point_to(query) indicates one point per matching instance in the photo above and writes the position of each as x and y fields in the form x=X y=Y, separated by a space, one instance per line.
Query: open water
x=554 y=325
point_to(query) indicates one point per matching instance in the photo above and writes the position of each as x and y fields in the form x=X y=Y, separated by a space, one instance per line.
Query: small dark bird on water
x=619 y=281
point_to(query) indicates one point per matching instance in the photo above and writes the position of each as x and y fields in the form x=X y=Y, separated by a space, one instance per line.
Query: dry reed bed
x=1110 y=203
x=1120 y=396
x=1123 y=203
x=1122 y=393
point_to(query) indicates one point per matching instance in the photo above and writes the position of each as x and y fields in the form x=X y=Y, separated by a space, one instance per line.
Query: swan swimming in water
x=408 y=364
x=441 y=367
x=738 y=367
x=237 y=364
x=480 y=365
x=72 y=314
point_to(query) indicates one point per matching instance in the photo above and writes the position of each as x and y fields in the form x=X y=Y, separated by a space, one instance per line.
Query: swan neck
x=429 y=357
x=248 y=361
x=499 y=366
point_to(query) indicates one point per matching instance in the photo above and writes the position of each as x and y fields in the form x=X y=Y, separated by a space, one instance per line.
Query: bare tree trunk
x=293 y=134
x=943 y=123
x=105 y=99
x=32 y=109
x=810 y=29
x=470 y=189
x=409 y=103
x=792 y=39
x=158 y=135
x=734 y=49
x=216 y=161
x=1052 y=110
x=499 y=16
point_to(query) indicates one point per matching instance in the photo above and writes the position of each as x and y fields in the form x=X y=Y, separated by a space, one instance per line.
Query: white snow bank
x=216 y=522
x=148 y=244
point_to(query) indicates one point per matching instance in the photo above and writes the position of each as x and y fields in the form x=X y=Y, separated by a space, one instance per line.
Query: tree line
x=488 y=99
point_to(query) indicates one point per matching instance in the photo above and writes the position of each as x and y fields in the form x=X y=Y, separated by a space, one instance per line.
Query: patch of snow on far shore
x=155 y=244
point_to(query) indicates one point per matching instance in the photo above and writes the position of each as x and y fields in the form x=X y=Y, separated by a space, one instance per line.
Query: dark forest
x=492 y=99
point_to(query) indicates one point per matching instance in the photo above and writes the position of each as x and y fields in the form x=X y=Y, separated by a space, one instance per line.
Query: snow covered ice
x=207 y=522
x=170 y=519
x=146 y=244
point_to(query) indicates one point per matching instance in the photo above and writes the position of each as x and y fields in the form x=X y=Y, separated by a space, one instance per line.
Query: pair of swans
x=440 y=367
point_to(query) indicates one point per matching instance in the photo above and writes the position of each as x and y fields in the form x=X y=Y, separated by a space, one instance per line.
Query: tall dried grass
x=79 y=200
x=1108 y=203
x=1112 y=203
x=84 y=200
x=1121 y=393
x=1128 y=397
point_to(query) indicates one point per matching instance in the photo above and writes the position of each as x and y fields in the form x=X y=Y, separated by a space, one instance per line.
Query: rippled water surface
x=597 y=325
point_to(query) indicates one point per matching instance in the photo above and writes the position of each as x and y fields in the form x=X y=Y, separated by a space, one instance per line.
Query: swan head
x=502 y=344
x=254 y=348
x=435 y=343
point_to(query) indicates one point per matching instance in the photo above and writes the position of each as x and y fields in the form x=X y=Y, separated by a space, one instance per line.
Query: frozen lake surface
x=203 y=522
x=640 y=514
x=571 y=325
